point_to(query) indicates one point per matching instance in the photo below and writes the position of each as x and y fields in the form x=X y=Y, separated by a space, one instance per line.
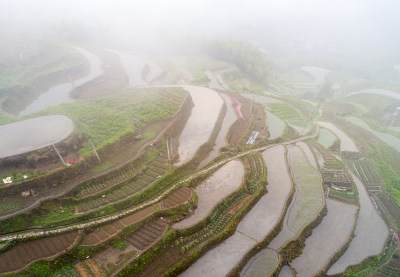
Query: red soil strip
x=238 y=107
x=176 y=198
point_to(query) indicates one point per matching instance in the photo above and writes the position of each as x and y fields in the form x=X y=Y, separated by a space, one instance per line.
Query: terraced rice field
x=111 y=230
x=317 y=72
x=309 y=154
x=346 y=143
x=263 y=264
x=220 y=141
x=147 y=235
x=367 y=172
x=275 y=125
x=326 y=138
x=326 y=239
x=42 y=131
x=287 y=112
x=369 y=236
x=386 y=138
x=89 y=267
x=126 y=185
x=308 y=199
x=213 y=190
x=264 y=216
x=26 y=253
x=198 y=128
x=133 y=67
x=285 y=272
x=221 y=259
x=154 y=70
x=176 y=198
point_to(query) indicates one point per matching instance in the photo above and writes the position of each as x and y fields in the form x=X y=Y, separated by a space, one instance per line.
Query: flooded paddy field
x=154 y=70
x=221 y=140
x=220 y=260
x=262 y=264
x=346 y=143
x=31 y=134
x=61 y=93
x=213 y=190
x=198 y=128
x=326 y=239
x=309 y=154
x=387 y=138
x=285 y=272
x=307 y=201
x=133 y=67
x=326 y=138
x=265 y=215
x=382 y=92
x=369 y=236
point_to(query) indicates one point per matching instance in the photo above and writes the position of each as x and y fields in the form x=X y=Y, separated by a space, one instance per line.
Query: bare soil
x=26 y=253
x=176 y=198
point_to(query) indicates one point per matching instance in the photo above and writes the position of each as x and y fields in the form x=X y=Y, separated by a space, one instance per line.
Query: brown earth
x=241 y=129
x=176 y=198
x=115 y=228
x=26 y=253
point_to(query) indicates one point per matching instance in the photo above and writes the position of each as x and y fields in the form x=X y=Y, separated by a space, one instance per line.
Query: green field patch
x=287 y=112
x=102 y=167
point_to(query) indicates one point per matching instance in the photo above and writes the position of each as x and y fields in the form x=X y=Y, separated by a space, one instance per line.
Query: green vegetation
x=120 y=245
x=106 y=120
x=239 y=82
x=287 y=112
x=102 y=167
x=16 y=177
x=249 y=58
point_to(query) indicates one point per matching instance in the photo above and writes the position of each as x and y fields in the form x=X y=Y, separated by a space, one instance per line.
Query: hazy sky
x=369 y=21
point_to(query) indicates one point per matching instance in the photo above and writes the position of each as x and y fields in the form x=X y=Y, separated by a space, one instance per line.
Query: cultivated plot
x=263 y=264
x=307 y=201
x=307 y=151
x=369 y=236
x=220 y=141
x=220 y=260
x=287 y=112
x=327 y=239
x=41 y=131
x=133 y=67
x=346 y=143
x=197 y=131
x=264 y=216
x=326 y=138
x=212 y=191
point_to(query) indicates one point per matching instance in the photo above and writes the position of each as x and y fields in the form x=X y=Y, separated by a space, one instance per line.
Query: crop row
x=150 y=174
x=366 y=171
x=218 y=221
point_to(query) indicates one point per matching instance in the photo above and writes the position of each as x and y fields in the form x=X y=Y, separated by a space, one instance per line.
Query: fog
x=357 y=24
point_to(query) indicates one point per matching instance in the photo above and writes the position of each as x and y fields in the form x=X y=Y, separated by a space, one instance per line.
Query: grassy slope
x=105 y=120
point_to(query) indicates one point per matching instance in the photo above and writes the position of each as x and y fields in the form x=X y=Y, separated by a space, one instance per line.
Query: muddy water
x=369 y=236
x=346 y=143
x=327 y=239
x=317 y=72
x=133 y=67
x=213 y=81
x=262 y=264
x=27 y=135
x=198 y=128
x=220 y=141
x=387 y=138
x=61 y=93
x=212 y=191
